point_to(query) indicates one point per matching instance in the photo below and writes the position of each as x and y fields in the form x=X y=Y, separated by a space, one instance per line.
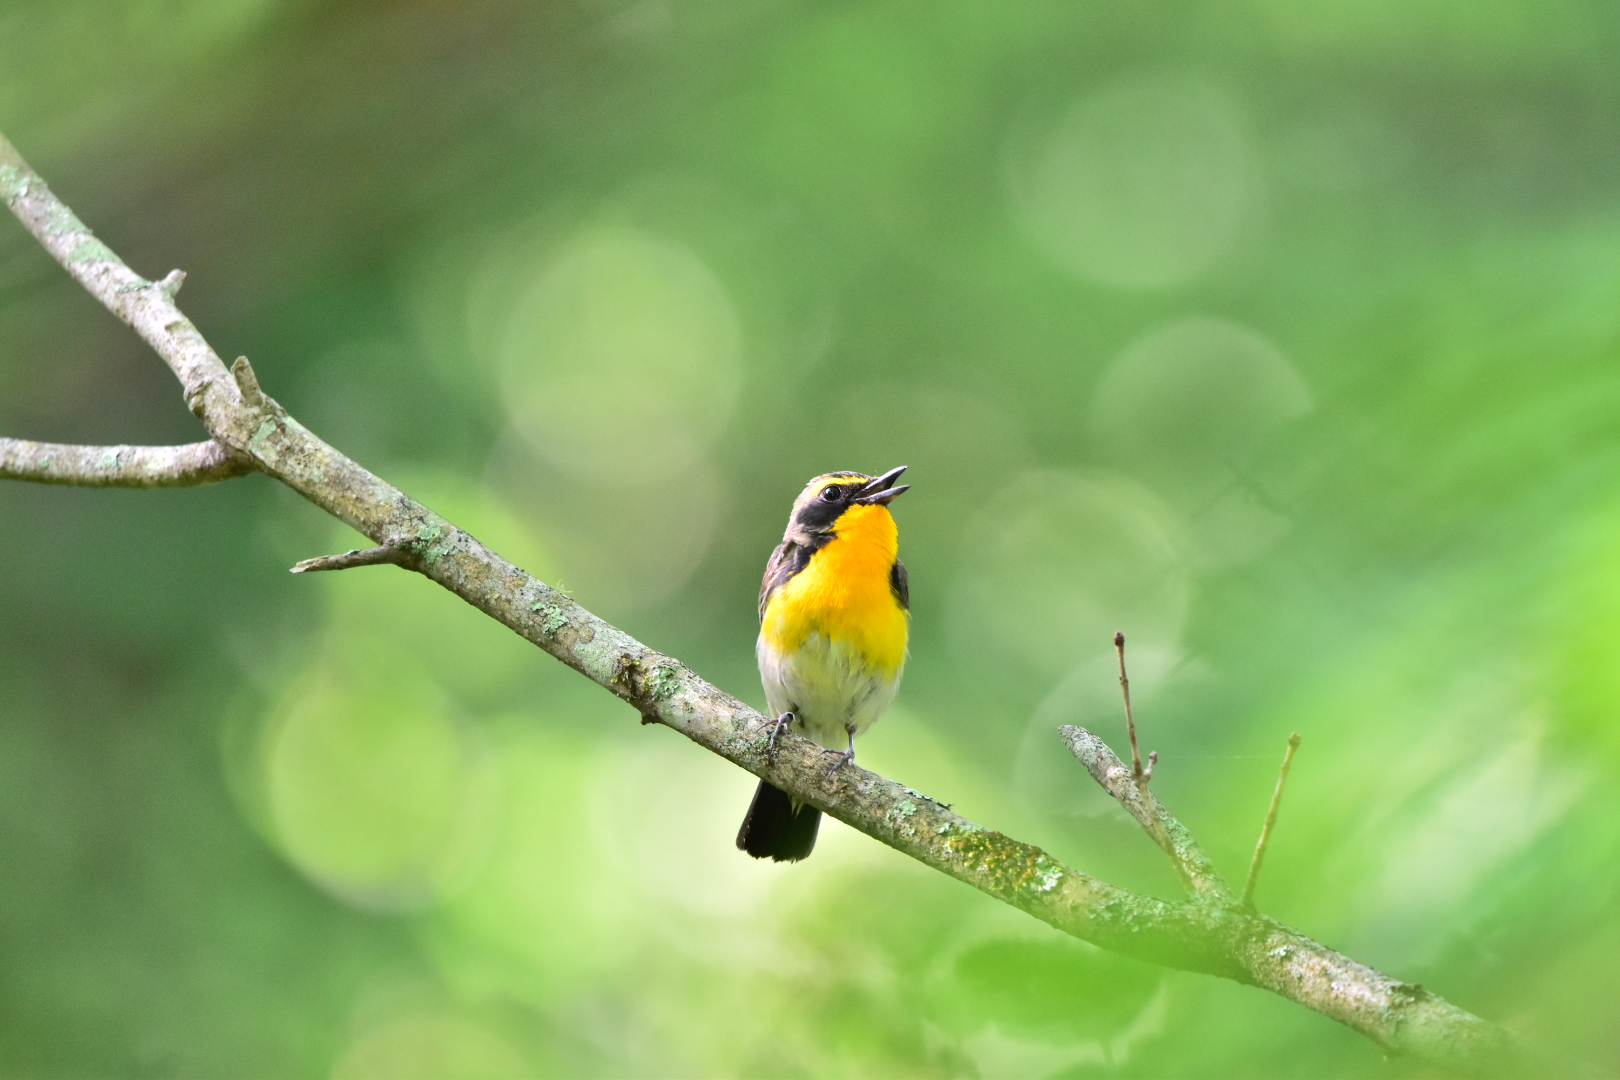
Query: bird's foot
x=844 y=758
x=780 y=724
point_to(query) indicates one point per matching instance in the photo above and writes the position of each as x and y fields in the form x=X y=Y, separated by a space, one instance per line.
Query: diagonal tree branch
x=120 y=466
x=1211 y=934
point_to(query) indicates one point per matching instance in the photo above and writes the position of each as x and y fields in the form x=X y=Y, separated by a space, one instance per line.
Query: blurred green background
x=1281 y=336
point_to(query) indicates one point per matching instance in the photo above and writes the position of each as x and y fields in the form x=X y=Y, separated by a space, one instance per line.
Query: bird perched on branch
x=833 y=620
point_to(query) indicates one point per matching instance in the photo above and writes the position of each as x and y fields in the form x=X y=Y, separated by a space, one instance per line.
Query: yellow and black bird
x=834 y=613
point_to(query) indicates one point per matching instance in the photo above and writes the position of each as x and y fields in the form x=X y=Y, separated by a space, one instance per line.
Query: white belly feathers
x=827 y=686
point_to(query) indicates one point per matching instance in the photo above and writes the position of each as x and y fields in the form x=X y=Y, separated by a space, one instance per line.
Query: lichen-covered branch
x=120 y=466
x=1212 y=934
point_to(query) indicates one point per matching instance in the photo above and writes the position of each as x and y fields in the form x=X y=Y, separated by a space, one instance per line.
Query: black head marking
x=826 y=500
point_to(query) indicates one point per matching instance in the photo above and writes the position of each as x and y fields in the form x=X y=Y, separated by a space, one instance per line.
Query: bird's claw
x=844 y=758
x=780 y=724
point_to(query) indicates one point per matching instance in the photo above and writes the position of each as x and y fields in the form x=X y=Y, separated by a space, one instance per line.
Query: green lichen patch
x=915 y=794
x=738 y=747
x=552 y=618
x=92 y=250
x=59 y=221
x=434 y=541
x=1047 y=875
x=663 y=683
x=260 y=434
x=13 y=182
x=1011 y=870
x=945 y=828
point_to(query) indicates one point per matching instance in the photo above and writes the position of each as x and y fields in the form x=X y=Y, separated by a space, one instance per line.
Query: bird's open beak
x=880 y=490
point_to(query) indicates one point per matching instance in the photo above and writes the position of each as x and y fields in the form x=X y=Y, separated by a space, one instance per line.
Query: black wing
x=899 y=584
x=786 y=561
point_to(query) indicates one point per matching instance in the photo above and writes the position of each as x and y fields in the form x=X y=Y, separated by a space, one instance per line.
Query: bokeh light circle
x=621 y=361
x=376 y=792
x=1056 y=562
x=1195 y=391
x=1189 y=407
x=430 y=1047
x=648 y=801
x=1141 y=184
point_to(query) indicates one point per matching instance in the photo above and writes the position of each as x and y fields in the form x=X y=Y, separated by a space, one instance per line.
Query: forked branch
x=1212 y=934
x=1198 y=875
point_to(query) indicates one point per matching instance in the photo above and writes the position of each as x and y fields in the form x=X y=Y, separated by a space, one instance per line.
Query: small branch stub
x=247 y=383
x=382 y=555
x=1271 y=820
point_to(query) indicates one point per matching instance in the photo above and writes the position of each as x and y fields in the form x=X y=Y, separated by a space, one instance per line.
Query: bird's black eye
x=832 y=492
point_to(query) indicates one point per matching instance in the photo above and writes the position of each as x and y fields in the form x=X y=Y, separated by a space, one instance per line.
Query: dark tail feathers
x=775 y=828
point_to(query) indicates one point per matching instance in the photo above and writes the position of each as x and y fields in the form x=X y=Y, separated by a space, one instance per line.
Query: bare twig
x=120 y=466
x=1271 y=819
x=1198 y=875
x=381 y=555
x=1138 y=774
x=1218 y=939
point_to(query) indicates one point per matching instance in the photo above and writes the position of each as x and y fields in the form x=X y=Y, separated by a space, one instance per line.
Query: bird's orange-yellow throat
x=833 y=613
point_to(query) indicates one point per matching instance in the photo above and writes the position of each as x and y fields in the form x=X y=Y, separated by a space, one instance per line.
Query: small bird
x=834 y=613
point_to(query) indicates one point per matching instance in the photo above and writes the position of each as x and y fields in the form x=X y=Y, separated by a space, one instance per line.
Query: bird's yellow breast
x=844 y=594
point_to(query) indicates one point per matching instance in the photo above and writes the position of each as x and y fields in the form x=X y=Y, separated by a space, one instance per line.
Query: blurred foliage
x=1282 y=336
